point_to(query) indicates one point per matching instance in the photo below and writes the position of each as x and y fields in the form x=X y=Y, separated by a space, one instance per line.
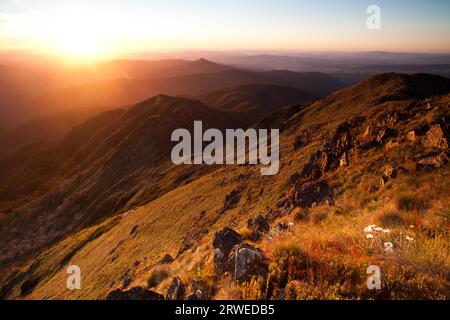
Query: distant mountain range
x=47 y=116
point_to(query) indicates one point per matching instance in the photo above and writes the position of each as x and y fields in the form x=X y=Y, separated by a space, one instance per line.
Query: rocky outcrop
x=231 y=200
x=334 y=154
x=389 y=173
x=136 y=293
x=241 y=260
x=385 y=134
x=223 y=243
x=437 y=137
x=186 y=246
x=431 y=161
x=412 y=136
x=392 y=144
x=246 y=261
x=176 y=290
x=201 y=290
x=306 y=195
x=166 y=259
x=197 y=295
x=316 y=166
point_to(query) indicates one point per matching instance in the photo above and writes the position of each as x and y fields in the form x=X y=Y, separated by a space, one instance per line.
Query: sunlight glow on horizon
x=102 y=29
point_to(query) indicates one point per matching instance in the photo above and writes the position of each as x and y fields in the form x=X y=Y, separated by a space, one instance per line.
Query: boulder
x=367 y=132
x=136 y=293
x=389 y=173
x=344 y=160
x=224 y=241
x=307 y=195
x=166 y=259
x=220 y=262
x=436 y=137
x=385 y=134
x=176 y=290
x=316 y=165
x=186 y=246
x=247 y=261
x=343 y=141
x=431 y=161
x=334 y=154
x=411 y=136
x=393 y=118
x=391 y=145
x=231 y=200
x=197 y=295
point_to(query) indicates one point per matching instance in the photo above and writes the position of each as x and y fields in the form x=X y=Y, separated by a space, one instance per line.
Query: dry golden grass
x=333 y=255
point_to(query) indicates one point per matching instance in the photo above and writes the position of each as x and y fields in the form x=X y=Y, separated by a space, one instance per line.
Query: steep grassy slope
x=333 y=182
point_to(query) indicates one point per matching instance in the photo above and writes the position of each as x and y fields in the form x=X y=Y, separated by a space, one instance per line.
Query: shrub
x=444 y=212
x=402 y=282
x=299 y=290
x=289 y=262
x=253 y=289
x=430 y=255
x=390 y=219
x=373 y=206
x=411 y=202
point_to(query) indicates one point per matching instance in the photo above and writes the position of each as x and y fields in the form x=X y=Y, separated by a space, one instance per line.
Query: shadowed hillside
x=250 y=102
x=96 y=169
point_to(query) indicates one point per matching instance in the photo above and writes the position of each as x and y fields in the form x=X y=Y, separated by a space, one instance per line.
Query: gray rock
x=247 y=261
x=224 y=241
x=176 y=290
x=197 y=295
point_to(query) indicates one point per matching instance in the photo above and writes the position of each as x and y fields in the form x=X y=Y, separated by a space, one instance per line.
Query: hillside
x=50 y=128
x=316 y=83
x=251 y=102
x=112 y=162
x=365 y=166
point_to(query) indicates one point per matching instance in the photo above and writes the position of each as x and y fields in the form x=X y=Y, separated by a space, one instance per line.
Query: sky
x=113 y=27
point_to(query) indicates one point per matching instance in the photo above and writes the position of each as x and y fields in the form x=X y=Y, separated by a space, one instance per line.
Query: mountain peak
x=203 y=60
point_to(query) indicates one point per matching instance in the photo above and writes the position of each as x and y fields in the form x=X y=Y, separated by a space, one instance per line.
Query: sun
x=79 y=39
x=80 y=46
